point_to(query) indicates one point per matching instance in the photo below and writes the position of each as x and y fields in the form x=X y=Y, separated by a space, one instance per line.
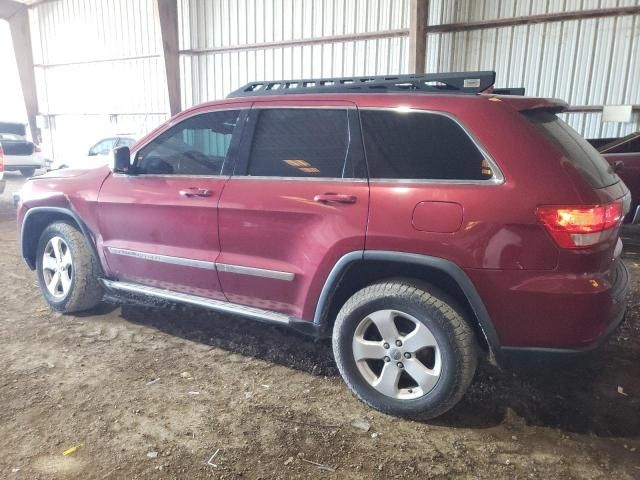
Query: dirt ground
x=154 y=392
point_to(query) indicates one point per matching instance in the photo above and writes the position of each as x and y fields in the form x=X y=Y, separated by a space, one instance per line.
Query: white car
x=19 y=153
x=99 y=154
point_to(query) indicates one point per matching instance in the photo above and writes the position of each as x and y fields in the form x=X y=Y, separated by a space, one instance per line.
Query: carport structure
x=87 y=65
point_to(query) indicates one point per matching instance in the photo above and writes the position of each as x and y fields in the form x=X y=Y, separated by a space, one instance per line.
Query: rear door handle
x=196 y=192
x=334 y=198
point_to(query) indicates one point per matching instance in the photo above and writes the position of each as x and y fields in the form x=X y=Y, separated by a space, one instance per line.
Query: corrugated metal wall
x=212 y=25
x=99 y=70
x=584 y=62
x=103 y=57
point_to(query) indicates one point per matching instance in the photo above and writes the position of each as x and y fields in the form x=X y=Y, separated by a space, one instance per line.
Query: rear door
x=297 y=202
x=160 y=226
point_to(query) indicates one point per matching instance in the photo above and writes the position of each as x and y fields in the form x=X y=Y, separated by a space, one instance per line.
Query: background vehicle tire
x=27 y=172
x=67 y=269
x=404 y=349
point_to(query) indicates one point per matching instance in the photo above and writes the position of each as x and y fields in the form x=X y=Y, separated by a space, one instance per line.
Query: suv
x=419 y=221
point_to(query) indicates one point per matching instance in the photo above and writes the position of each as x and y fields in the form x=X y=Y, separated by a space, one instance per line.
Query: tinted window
x=300 y=143
x=196 y=146
x=416 y=145
x=630 y=146
x=576 y=149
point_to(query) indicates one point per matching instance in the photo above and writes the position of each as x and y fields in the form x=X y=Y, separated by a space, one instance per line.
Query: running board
x=217 y=305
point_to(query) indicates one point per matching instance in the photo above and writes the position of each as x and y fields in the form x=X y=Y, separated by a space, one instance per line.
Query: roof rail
x=455 y=82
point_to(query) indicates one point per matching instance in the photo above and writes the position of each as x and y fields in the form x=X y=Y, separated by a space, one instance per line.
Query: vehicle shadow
x=579 y=396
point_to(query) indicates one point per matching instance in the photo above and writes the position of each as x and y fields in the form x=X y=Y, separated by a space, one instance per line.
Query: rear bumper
x=553 y=313
x=14 y=162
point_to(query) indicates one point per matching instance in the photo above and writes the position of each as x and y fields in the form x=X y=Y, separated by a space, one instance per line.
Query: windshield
x=576 y=149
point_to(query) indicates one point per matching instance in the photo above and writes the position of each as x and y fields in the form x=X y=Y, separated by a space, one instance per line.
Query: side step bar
x=217 y=305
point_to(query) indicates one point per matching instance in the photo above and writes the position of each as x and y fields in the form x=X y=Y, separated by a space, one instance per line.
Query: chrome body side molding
x=256 y=272
x=154 y=257
x=189 y=262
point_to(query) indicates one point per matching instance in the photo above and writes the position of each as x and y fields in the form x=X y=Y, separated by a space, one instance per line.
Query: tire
x=446 y=365
x=78 y=287
x=28 y=172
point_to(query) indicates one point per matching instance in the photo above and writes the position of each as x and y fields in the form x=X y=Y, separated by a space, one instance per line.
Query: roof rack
x=455 y=82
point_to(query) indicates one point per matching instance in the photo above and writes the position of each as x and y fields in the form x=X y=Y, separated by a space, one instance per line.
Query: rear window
x=421 y=146
x=576 y=149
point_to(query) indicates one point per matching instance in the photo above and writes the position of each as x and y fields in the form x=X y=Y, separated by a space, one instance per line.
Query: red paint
x=437 y=217
x=536 y=293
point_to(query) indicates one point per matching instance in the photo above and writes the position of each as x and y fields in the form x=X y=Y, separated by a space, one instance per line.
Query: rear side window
x=421 y=146
x=574 y=148
x=300 y=142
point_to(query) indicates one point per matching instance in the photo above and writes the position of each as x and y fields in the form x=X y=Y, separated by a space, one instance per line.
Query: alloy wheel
x=57 y=267
x=397 y=354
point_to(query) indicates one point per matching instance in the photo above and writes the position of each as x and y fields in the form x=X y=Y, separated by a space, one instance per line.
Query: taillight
x=580 y=226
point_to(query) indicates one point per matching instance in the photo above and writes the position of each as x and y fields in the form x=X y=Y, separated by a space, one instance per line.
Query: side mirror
x=122 y=160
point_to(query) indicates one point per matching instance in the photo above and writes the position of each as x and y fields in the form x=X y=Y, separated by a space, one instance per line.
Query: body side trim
x=189 y=262
x=256 y=272
x=154 y=257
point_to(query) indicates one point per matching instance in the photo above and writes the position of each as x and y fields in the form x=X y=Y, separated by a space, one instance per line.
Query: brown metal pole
x=418 y=35
x=21 y=36
x=168 y=15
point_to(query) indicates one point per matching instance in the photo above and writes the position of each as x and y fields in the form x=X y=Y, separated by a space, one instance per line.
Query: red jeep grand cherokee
x=417 y=220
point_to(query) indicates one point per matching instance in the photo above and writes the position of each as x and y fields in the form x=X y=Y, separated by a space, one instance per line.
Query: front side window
x=195 y=146
x=301 y=142
x=420 y=146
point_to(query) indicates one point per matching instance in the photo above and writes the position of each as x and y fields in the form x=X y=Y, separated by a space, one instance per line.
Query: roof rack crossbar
x=460 y=82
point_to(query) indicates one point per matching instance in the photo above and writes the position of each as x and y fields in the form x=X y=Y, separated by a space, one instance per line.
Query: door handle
x=334 y=198
x=195 y=192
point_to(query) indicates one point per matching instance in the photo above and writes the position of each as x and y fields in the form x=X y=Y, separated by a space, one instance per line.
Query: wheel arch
x=36 y=219
x=355 y=270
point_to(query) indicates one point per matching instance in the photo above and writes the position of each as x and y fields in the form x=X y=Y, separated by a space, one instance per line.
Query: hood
x=71 y=173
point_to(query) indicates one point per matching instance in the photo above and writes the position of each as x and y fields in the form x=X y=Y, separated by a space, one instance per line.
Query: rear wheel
x=405 y=349
x=28 y=172
x=67 y=270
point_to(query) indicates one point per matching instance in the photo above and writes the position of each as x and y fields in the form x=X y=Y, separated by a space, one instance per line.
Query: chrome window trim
x=256 y=272
x=154 y=257
x=168 y=175
x=497 y=179
x=189 y=262
x=304 y=179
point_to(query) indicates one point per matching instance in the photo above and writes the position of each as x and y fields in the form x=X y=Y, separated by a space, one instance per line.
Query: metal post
x=21 y=36
x=418 y=20
x=168 y=15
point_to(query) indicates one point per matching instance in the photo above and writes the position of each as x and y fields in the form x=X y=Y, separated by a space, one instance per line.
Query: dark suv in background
x=420 y=221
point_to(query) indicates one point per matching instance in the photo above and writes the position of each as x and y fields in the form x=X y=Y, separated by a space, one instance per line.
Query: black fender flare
x=437 y=263
x=32 y=212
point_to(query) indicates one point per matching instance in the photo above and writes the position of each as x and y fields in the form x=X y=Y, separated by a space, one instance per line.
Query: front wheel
x=67 y=270
x=405 y=349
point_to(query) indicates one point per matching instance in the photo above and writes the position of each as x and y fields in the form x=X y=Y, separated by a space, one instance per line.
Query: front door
x=159 y=225
x=296 y=203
